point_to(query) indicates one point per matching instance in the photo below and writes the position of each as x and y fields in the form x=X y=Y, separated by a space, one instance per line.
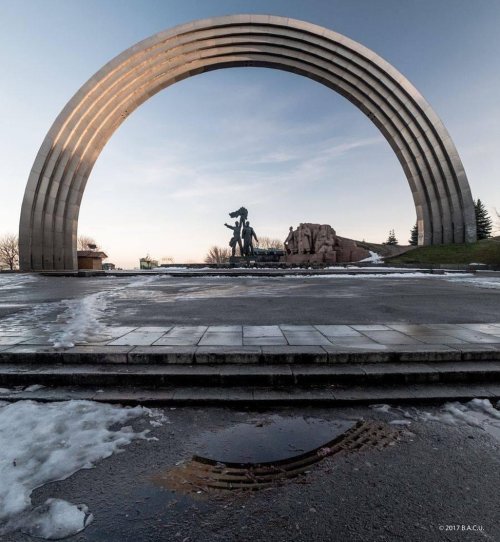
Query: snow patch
x=373 y=258
x=14 y=281
x=363 y=275
x=80 y=319
x=478 y=413
x=480 y=282
x=72 y=321
x=34 y=387
x=53 y=520
x=45 y=442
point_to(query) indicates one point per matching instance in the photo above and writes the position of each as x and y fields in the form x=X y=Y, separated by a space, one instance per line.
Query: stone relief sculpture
x=318 y=243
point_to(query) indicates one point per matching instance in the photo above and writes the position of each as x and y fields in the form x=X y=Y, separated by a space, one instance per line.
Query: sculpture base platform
x=305 y=259
x=256 y=258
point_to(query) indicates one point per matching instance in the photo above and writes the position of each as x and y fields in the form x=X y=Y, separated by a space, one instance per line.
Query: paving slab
x=338 y=331
x=371 y=327
x=473 y=336
x=414 y=329
x=292 y=327
x=439 y=339
x=261 y=331
x=137 y=338
x=10 y=340
x=483 y=328
x=358 y=343
x=153 y=329
x=221 y=338
x=226 y=329
x=265 y=341
x=390 y=337
x=305 y=338
x=182 y=336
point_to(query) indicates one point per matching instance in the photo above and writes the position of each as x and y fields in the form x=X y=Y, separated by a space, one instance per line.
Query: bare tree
x=167 y=259
x=268 y=242
x=84 y=241
x=218 y=255
x=9 y=251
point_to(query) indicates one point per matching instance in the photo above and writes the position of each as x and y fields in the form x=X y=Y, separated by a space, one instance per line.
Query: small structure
x=91 y=259
x=319 y=244
x=108 y=266
x=148 y=263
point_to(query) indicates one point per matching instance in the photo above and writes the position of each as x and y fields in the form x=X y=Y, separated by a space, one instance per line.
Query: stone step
x=265 y=396
x=232 y=375
x=272 y=355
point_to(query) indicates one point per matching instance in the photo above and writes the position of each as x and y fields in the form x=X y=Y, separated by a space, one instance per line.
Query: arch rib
x=49 y=215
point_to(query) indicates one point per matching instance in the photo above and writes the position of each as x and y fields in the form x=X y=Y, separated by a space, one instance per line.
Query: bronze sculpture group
x=242 y=230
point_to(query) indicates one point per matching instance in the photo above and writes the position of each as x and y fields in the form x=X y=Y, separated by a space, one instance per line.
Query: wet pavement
x=165 y=301
x=433 y=475
x=376 y=312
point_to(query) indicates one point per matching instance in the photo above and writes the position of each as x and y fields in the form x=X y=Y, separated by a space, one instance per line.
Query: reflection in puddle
x=258 y=455
x=270 y=439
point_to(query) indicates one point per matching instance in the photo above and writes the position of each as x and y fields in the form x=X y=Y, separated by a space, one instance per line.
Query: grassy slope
x=486 y=251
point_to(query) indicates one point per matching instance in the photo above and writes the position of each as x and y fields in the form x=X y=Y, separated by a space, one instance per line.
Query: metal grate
x=201 y=473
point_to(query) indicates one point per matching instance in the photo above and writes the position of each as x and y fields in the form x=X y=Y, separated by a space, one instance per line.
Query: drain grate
x=201 y=473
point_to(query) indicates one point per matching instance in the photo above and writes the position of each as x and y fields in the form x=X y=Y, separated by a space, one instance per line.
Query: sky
x=285 y=147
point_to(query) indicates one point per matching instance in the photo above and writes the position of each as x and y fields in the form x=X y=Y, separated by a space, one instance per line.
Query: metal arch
x=49 y=215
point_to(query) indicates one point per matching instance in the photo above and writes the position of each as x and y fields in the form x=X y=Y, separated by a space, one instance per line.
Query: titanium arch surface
x=49 y=215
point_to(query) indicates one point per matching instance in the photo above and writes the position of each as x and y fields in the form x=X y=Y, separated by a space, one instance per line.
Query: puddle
x=268 y=451
x=272 y=438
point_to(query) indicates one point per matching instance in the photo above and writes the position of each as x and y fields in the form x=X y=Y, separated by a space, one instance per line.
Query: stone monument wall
x=319 y=244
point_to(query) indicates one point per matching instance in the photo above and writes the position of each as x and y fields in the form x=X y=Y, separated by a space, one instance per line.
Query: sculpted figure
x=290 y=241
x=248 y=236
x=305 y=237
x=236 y=238
x=325 y=239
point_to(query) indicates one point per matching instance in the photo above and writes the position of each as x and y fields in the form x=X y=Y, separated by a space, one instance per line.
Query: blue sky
x=284 y=146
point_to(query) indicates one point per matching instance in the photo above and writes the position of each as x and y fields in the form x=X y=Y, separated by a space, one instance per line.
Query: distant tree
x=484 y=223
x=268 y=242
x=391 y=240
x=414 y=235
x=9 y=251
x=167 y=259
x=84 y=241
x=218 y=255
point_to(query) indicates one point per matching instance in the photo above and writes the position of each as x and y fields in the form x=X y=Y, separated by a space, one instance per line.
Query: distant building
x=148 y=263
x=91 y=259
x=108 y=266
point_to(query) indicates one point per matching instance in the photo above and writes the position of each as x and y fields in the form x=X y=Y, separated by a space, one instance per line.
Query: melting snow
x=45 y=442
x=476 y=413
x=14 y=281
x=373 y=258
x=480 y=282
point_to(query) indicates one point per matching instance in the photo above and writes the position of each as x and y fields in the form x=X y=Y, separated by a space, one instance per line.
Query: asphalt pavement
x=164 y=300
x=435 y=482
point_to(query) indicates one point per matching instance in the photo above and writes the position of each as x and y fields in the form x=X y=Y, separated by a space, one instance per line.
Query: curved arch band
x=49 y=215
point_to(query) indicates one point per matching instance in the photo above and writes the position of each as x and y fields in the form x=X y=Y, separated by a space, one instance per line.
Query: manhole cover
x=244 y=458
